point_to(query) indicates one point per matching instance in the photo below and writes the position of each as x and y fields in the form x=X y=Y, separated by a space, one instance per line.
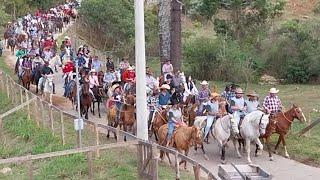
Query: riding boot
x=54 y=88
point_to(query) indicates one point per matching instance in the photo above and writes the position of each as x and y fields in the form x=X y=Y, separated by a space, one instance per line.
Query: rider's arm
x=265 y=105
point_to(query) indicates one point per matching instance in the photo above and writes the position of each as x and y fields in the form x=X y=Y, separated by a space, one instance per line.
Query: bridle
x=260 y=123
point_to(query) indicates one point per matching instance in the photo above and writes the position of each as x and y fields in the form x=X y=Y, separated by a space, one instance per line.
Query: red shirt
x=68 y=67
x=47 y=43
x=128 y=75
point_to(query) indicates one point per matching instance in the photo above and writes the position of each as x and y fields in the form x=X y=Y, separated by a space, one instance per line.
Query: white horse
x=48 y=87
x=253 y=125
x=224 y=129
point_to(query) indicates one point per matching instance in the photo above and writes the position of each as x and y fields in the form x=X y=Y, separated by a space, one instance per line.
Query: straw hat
x=165 y=86
x=213 y=95
x=93 y=71
x=115 y=86
x=273 y=91
x=239 y=91
x=66 y=37
x=204 y=83
x=253 y=94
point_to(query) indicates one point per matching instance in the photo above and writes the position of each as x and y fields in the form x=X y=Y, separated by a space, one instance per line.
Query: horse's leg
x=204 y=152
x=99 y=108
x=276 y=147
x=248 y=151
x=125 y=130
x=286 y=154
x=185 y=162
x=234 y=141
x=92 y=108
x=223 y=154
x=269 y=148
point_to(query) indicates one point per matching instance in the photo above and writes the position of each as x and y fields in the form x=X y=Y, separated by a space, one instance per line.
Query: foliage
x=217 y=59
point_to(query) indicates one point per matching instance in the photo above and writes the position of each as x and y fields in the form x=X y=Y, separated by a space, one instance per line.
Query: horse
x=26 y=78
x=223 y=129
x=12 y=42
x=48 y=87
x=182 y=138
x=85 y=100
x=189 y=113
x=253 y=125
x=36 y=75
x=127 y=114
x=97 y=94
x=72 y=92
x=280 y=124
x=159 y=118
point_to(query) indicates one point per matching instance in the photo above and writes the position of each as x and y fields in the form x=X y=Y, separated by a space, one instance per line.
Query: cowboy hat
x=213 y=95
x=273 y=91
x=165 y=86
x=253 y=94
x=93 y=71
x=115 y=86
x=130 y=68
x=66 y=37
x=239 y=91
x=204 y=83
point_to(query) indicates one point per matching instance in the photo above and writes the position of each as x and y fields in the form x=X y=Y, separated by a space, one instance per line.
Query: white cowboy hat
x=93 y=71
x=66 y=37
x=239 y=91
x=115 y=86
x=204 y=83
x=130 y=68
x=165 y=86
x=273 y=91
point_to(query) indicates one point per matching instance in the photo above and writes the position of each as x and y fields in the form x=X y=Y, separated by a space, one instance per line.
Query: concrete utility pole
x=140 y=57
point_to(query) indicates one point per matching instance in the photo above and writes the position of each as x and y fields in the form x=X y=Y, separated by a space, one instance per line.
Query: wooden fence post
x=7 y=85
x=21 y=95
x=97 y=139
x=28 y=106
x=1 y=130
x=36 y=111
x=196 y=170
x=14 y=93
x=42 y=113
x=51 y=119
x=140 y=160
x=90 y=169
x=210 y=176
x=62 y=127
x=30 y=170
x=154 y=168
x=177 y=166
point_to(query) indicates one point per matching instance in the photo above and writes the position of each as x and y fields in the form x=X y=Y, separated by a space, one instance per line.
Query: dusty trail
x=281 y=168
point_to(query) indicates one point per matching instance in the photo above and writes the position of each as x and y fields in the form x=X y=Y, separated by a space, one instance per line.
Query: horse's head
x=50 y=80
x=233 y=124
x=130 y=99
x=297 y=113
x=263 y=122
x=196 y=135
x=85 y=88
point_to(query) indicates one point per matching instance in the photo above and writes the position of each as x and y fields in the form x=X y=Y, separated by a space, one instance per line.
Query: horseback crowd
x=180 y=113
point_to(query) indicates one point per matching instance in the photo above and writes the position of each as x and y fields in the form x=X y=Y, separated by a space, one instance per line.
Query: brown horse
x=159 y=119
x=111 y=118
x=12 y=42
x=189 y=113
x=280 y=124
x=182 y=138
x=127 y=114
x=85 y=100
x=26 y=78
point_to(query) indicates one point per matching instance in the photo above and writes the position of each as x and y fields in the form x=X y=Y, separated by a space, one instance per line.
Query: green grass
x=4 y=67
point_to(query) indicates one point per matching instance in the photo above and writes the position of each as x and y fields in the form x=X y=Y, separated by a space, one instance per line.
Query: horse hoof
x=271 y=158
x=287 y=156
x=239 y=156
x=223 y=161
x=275 y=152
x=206 y=157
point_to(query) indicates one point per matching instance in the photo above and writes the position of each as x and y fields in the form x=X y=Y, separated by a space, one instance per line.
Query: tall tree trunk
x=175 y=50
x=164 y=16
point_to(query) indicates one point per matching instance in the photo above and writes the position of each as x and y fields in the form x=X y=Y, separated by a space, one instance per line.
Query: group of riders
x=171 y=92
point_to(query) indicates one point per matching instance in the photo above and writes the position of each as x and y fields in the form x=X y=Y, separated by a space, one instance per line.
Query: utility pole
x=175 y=46
x=140 y=58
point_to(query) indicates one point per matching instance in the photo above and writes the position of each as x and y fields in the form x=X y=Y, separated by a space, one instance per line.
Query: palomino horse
x=223 y=129
x=127 y=114
x=85 y=100
x=253 y=125
x=280 y=124
x=26 y=78
x=182 y=138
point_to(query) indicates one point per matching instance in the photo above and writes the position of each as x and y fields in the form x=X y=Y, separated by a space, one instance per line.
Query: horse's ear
x=293 y=105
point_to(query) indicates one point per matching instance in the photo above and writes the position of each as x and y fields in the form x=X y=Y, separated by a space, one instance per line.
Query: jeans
x=210 y=120
x=237 y=115
x=170 y=129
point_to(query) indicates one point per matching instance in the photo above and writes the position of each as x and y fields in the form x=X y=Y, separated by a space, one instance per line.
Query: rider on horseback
x=272 y=103
x=93 y=82
x=117 y=97
x=46 y=70
x=238 y=105
x=174 y=119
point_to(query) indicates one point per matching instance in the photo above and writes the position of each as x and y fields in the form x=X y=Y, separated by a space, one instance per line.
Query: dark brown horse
x=280 y=124
x=26 y=78
x=72 y=92
x=85 y=100
x=159 y=119
x=127 y=114
x=12 y=42
x=189 y=113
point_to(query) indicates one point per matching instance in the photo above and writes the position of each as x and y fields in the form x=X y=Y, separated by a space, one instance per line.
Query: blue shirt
x=164 y=99
x=96 y=64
